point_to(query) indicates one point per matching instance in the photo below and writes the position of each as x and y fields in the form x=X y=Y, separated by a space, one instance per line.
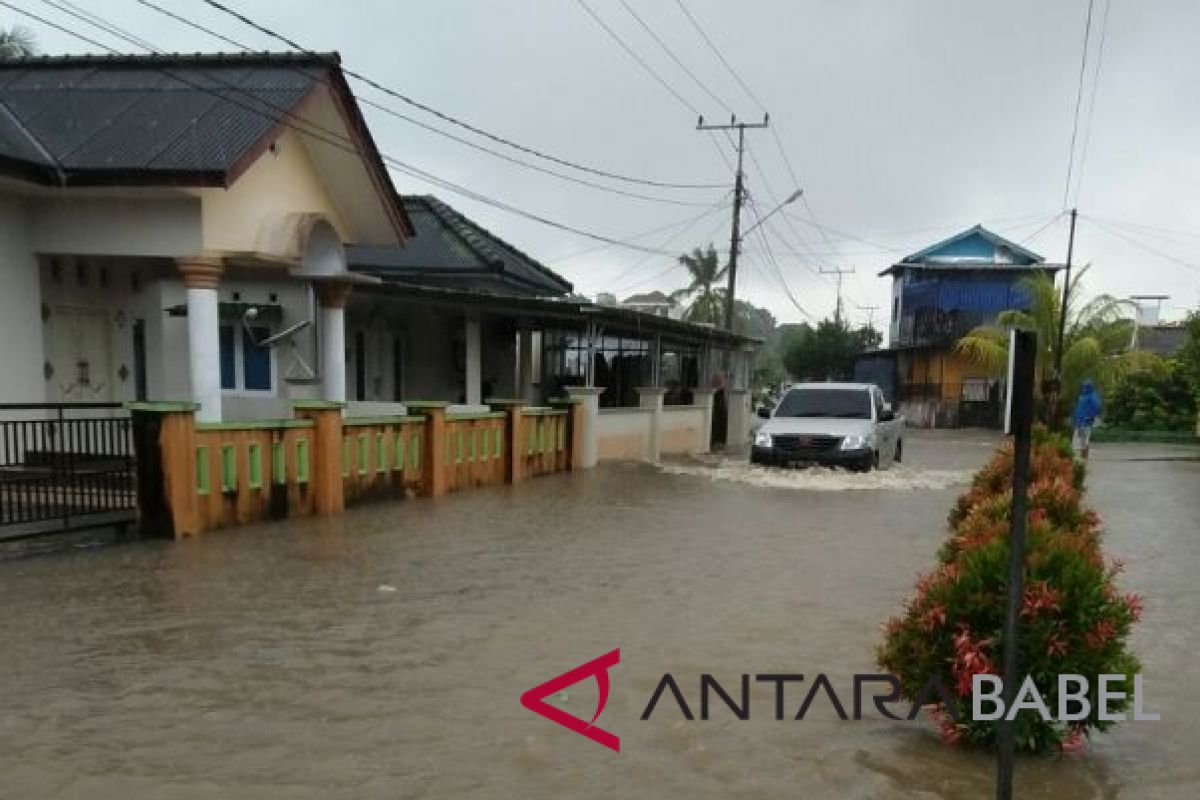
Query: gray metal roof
x=449 y=246
x=150 y=119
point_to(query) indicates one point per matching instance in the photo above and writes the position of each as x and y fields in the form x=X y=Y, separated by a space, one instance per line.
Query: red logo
x=534 y=699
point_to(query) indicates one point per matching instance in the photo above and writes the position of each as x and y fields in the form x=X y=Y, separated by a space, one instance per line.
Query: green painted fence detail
x=363 y=454
x=302 y=465
x=255 y=459
x=202 y=483
x=228 y=468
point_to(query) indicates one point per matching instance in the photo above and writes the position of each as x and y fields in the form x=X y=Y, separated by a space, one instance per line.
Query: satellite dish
x=299 y=370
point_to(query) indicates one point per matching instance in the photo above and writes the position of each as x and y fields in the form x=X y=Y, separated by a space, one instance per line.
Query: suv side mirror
x=886 y=414
x=764 y=412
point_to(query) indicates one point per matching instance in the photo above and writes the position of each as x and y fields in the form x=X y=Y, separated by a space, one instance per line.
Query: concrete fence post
x=164 y=440
x=589 y=397
x=703 y=398
x=329 y=493
x=433 y=481
x=651 y=397
x=737 y=437
x=514 y=426
x=576 y=428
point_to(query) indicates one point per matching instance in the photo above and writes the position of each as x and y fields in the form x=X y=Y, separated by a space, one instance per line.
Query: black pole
x=1024 y=360
x=1055 y=389
x=735 y=238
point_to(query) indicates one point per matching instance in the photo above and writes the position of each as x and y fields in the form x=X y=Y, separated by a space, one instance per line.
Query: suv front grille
x=800 y=444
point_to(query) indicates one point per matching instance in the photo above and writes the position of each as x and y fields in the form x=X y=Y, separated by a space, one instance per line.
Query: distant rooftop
x=450 y=246
x=655 y=298
x=973 y=249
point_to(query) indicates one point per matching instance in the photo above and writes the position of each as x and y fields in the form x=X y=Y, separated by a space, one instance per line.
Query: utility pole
x=1054 y=390
x=837 y=311
x=739 y=189
x=870 y=314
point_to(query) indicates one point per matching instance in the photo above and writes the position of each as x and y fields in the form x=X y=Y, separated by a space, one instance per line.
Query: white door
x=81 y=355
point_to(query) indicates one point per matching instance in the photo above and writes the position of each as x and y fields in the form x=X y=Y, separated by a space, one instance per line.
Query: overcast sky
x=905 y=122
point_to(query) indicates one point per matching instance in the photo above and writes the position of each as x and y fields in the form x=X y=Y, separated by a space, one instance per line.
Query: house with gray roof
x=223 y=229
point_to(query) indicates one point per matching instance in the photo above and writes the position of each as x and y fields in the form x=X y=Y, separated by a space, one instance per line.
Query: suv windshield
x=843 y=403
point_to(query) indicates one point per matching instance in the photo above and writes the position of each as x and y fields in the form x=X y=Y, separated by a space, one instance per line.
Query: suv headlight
x=855 y=442
x=762 y=439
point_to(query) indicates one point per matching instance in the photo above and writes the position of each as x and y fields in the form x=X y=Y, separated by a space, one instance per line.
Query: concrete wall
x=251 y=215
x=624 y=433
x=136 y=223
x=22 y=355
x=683 y=430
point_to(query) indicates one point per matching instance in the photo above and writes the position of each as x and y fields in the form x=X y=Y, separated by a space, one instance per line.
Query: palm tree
x=17 y=42
x=704 y=270
x=1096 y=339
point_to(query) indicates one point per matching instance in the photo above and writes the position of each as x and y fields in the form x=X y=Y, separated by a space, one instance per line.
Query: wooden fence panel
x=474 y=451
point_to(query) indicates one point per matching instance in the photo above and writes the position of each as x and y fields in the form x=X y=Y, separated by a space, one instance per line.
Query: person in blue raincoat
x=1087 y=409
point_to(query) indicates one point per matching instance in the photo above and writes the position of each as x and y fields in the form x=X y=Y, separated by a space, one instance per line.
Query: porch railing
x=195 y=477
x=64 y=466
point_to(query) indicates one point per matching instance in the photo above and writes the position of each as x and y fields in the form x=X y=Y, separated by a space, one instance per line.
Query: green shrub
x=1148 y=401
x=1073 y=620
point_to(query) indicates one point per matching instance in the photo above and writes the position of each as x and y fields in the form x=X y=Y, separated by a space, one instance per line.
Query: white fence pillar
x=201 y=275
x=590 y=400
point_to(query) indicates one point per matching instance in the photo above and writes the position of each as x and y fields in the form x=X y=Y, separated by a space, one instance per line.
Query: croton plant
x=1073 y=618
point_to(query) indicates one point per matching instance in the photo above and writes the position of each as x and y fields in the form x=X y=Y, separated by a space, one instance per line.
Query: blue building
x=939 y=294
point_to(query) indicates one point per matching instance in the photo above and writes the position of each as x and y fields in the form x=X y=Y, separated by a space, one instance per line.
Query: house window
x=245 y=366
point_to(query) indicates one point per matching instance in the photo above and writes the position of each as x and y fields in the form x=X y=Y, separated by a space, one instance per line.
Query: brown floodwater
x=381 y=654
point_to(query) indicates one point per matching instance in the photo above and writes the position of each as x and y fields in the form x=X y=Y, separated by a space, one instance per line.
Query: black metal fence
x=64 y=466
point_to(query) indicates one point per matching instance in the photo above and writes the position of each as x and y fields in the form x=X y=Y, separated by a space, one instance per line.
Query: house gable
x=975 y=245
x=196 y=122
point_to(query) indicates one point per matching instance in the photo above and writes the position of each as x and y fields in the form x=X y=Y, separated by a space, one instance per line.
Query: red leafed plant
x=1073 y=619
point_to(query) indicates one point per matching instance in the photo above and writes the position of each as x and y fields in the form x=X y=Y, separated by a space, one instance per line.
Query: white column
x=651 y=397
x=201 y=277
x=332 y=299
x=525 y=365
x=737 y=429
x=474 y=359
x=590 y=397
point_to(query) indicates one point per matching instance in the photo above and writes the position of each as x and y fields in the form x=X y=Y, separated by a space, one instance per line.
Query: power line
x=634 y=237
x=637 y=263
x=787 y=289
x=99 y=22
x=342 y=142
x=671 y=54
x=1035 y=234
x=1142 y=245
x=1087 y=128
x=446 y=134
x=1087 y=32
x=716 y=50
x=675 y=263
x=244 y=19
x=633 y=54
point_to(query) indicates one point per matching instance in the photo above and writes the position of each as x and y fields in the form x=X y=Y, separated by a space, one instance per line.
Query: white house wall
x=21 y=356
x=129 y=224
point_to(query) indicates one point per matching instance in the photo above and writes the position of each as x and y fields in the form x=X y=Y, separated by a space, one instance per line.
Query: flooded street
x=381 y=654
